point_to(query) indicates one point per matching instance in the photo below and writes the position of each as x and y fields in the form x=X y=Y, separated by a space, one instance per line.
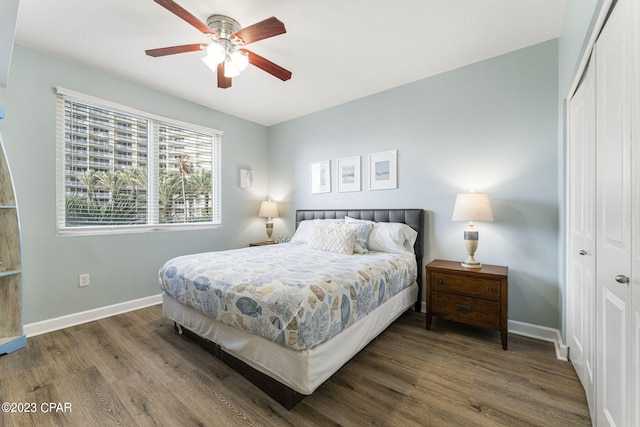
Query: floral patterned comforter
x=295 y=296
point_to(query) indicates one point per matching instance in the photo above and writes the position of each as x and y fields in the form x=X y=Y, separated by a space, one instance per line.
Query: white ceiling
x=337 y=50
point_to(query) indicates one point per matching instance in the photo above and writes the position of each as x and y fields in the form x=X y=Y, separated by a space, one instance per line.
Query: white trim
x=586 y=54
x=543 y=333
x=50 y=325
x=146 y=228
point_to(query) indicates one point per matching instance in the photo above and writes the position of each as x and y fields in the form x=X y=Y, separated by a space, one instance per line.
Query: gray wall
x=123 y=267
x=491 y=127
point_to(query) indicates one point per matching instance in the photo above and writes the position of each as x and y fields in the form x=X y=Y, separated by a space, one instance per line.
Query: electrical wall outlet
x=83 y=280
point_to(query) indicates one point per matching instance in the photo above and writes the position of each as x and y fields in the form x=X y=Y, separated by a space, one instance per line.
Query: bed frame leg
x=177 y=327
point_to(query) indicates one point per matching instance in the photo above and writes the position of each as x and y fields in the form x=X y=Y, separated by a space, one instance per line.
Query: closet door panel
x=581 y=247
x=634 y=378
x=614 y=93
x=635 y=227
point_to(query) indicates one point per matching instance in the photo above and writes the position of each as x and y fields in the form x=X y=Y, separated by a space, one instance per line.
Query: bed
x=288 y=316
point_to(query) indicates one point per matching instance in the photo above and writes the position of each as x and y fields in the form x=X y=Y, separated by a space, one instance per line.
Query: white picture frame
x=320 y=177
x=246 y=178
x=349 y=174
x=383 y=170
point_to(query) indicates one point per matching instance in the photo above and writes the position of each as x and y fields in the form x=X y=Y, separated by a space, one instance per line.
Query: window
x=121 y=169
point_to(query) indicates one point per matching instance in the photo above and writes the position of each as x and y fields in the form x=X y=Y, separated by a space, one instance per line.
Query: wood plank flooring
x=135 y=370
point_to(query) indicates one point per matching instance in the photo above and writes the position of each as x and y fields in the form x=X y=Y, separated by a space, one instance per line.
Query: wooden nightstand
x=473 y=296
x=261 y=244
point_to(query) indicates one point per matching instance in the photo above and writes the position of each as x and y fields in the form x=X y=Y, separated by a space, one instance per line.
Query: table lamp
x=269 y=209
x=472 y=207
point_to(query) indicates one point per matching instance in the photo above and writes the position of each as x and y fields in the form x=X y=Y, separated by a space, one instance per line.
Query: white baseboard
x=538 y=332
x=543 y=333
x=50 y=325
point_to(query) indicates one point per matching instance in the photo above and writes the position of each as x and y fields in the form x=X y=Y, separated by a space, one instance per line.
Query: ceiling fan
x=226 y=54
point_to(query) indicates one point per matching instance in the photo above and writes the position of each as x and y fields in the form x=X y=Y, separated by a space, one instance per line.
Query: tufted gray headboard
x=414 y=218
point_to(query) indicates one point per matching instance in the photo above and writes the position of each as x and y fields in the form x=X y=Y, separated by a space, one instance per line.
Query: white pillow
x=392 y=237
x=350 y=220
x=304 y=230
x=388 y=236
x=338 y=238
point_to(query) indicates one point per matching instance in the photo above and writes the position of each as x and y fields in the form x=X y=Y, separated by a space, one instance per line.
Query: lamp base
x=471 y=244
x=269 y=232
x=471 y=262
x=465 y=264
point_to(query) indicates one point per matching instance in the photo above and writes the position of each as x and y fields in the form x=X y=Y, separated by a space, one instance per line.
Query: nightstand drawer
x=473 y=286
x=468 y=310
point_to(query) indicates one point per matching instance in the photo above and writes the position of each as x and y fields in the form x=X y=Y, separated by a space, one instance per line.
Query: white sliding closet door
x=634 y=345
x=581 y=291
x=615 y=75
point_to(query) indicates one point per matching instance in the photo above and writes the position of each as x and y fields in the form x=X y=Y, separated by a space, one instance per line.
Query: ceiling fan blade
x=268 y=66
x=175 y=49
x=182 y=13
x=262 y=30
x=223 y=82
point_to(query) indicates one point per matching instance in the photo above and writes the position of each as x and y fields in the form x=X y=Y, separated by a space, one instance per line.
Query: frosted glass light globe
x=240 y=59
x=230 y=69
x=216 y=52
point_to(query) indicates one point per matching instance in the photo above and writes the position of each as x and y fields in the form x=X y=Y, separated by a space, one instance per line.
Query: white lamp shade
x=472 y=207
x=268 y=209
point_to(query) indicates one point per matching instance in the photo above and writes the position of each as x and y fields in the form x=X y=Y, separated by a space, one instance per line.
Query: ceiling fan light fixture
x=216 y=52
x=230 y=69
x=226 y=53
x=240 y=60
x=210 y=63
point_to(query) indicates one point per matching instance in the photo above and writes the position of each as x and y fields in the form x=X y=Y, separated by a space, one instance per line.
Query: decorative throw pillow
x=305 y=229
x=362 y=235
x=338 y=238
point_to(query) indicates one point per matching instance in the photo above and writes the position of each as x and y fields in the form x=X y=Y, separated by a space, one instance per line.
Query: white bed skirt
x=303 y=371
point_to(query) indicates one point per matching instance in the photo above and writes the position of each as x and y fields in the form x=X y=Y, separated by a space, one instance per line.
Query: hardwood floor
x=135 y=370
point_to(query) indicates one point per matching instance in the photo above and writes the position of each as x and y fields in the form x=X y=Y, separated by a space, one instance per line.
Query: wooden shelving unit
x=11 y=331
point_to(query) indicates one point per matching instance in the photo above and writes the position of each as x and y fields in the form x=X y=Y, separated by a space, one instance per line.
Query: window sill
x=93 y=231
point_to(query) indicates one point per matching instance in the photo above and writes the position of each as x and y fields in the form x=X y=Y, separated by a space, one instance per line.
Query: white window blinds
x=122 y=169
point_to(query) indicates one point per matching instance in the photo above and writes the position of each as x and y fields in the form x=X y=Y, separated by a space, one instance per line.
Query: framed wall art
x=383 y=170
x=349 y=174
x=246 y=178
x=320 y=177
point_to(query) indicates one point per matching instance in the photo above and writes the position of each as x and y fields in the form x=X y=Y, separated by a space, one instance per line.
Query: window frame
x=153 y=169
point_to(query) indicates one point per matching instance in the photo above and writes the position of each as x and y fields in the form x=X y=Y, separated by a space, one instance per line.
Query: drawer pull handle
x=440 y=281
x=463 y=307
x=489 y=289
